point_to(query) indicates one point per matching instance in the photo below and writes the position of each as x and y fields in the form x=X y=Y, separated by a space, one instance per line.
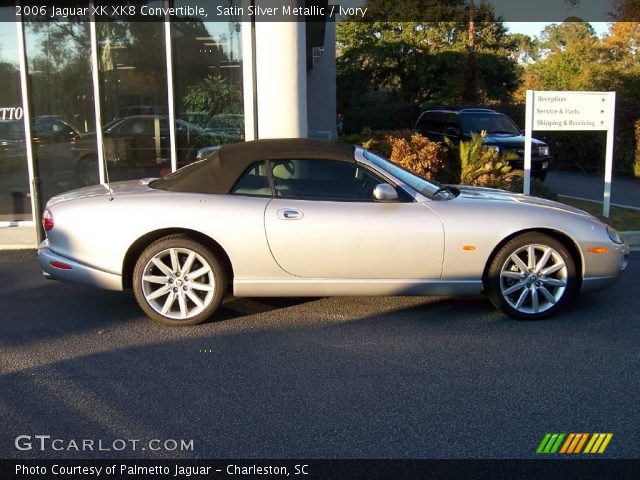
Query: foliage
x=380 y=64
x=481 y=166
x=418 y=154
x=213 y=95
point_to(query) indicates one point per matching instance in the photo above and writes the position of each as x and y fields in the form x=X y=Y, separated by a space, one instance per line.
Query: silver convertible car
x=306 y=217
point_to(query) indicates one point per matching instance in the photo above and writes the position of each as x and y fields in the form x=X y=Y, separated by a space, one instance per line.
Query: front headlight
x=614 y=235
x=543 y=151
x=491 y=148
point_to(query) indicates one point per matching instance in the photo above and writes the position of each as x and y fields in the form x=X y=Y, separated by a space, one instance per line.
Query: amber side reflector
x=598 y=250
x=469 y=248
x=60 y=265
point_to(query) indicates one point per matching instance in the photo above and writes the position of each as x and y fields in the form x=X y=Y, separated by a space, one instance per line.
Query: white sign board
x=571 y=111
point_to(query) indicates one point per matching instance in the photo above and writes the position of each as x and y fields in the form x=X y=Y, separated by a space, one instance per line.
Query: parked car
x=302 y=217
x=503 y=134
x=139 y=145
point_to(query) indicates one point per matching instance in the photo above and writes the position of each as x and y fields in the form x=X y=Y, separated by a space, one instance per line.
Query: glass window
x=254 y=181
x=133 y=86
x=15 y=202
x=491 y=122
x=62 y=108
x=323 y=179
x=207 y=71
x=419 y=184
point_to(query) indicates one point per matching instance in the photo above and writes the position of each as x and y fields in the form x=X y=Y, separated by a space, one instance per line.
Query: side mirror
x=385 y=193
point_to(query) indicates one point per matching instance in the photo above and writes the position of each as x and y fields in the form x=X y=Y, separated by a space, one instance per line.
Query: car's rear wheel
x=531 y=277
x=177 y=281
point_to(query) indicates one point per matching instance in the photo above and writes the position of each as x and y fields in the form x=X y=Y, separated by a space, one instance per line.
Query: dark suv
x=502 y=133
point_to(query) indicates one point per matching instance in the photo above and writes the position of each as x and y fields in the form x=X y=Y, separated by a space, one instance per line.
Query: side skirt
x=353 y=287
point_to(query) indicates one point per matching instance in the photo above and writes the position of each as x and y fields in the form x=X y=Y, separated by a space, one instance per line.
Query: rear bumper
x=77 y=273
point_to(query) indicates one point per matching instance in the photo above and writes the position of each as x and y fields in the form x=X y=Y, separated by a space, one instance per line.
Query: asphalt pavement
x=378 y=377
x=624 y=191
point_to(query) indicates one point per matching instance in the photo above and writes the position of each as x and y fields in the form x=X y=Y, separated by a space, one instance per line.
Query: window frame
x=402 y=195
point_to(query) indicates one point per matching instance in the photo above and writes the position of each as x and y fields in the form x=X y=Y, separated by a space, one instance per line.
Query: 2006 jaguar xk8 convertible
x=312 y=218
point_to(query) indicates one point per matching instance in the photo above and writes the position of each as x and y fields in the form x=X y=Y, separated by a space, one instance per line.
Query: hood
x=495 y=195
x=117 y=188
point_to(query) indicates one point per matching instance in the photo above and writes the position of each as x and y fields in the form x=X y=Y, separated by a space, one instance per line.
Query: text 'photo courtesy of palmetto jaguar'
x=310 y=218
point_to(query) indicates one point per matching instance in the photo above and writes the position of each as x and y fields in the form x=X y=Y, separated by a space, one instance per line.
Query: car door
x=323 y=222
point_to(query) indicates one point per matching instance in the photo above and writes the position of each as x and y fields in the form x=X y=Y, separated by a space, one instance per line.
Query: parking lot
x=381 y=377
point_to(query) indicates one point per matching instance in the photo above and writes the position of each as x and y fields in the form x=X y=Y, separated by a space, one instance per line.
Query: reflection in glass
x=133 y=86
x=62 y=111
x=15 y=202
x=207 y=65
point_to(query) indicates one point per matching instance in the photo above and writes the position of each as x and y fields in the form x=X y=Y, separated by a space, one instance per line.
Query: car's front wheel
x=531 y=277
x=177 y=281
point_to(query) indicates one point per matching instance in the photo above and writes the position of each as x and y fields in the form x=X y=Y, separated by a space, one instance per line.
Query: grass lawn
x=624 y=219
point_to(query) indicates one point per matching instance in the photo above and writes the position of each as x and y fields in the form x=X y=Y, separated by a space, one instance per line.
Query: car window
x=254 y=181
x=491 y=122
x=429 y=123
x=323 y=180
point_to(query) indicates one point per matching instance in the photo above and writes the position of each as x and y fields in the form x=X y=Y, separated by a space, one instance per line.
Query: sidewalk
x=17 y=237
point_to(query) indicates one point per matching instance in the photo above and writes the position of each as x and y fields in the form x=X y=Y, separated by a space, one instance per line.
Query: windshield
x=491 y=122
x=426 y=187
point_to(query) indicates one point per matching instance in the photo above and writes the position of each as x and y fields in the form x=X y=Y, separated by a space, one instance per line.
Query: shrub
x=481 y=166
x=418 y=154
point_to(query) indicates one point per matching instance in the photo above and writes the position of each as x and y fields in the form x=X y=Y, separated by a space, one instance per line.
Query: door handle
x=290 y=214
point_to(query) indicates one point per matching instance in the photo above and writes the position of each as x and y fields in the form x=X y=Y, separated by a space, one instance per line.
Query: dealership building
x=86 y=100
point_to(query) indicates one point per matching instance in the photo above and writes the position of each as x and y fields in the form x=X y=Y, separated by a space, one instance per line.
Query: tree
x=387 y=63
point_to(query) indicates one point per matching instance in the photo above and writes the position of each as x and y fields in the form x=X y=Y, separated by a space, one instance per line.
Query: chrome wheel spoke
x=169 y=303
x=188 y=263
x=518 y=262
x=554 y=282
x=200 y=272
x=523 y=297
x=514 y=288
x=182 y=302
x=510 y=274
x=531 y=260
x=535 y=304
x=175 y=262
x=540 y=282
x=159 y=292
x=155 y=279
x=545 y=258
x=172 y=289
x=552 y=269
x=195 y=299
x=202 y=286
x=161 y=266
x=547 y=294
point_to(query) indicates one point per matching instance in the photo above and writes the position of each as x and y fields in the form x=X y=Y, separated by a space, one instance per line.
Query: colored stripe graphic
x=598 y=443
x=574 y=443
x=550 y=443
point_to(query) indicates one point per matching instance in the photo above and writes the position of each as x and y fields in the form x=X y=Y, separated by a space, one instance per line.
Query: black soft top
x=220 y=172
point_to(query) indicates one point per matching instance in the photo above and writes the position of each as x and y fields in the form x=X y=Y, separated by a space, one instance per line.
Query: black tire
x=180 y=288
x=512 y=291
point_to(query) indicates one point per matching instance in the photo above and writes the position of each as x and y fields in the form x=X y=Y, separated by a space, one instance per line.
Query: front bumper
x=77 y=273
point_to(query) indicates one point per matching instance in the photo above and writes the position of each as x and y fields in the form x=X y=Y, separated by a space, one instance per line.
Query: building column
x=281 y=73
